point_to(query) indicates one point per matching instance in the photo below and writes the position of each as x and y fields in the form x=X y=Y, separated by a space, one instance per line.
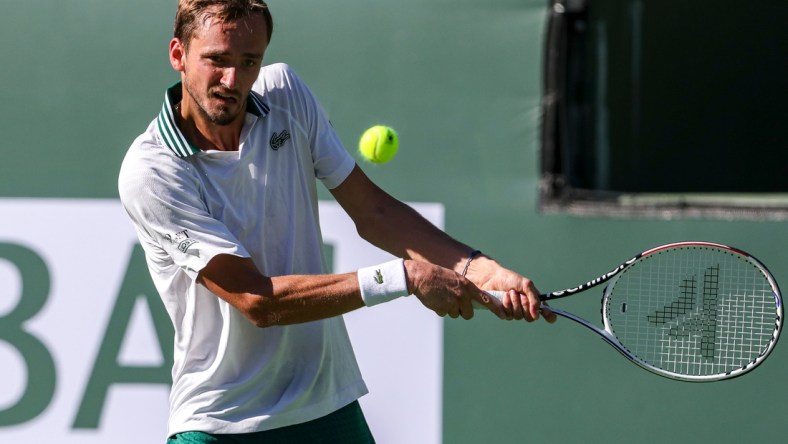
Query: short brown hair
x=191 y=13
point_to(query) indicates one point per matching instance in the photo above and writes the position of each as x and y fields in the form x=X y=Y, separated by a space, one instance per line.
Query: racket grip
x=492 y=293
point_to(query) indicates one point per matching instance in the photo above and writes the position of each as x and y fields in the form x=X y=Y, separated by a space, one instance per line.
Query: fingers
x=519 y=306
x=547 y=314
x=456 y=310
x=528 y=307
x=490 y=303
x=531 y=296
x=511 y=306
x=447 y=303
x=465 y=308
x=442 y=290
x=524 y=306
x=447 y=293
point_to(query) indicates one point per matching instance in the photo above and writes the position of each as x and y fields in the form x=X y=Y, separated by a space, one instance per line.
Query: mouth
x=227 y=98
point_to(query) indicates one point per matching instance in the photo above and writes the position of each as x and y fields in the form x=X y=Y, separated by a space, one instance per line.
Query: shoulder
x=279 y=79
x=150 y=168
x=277 y=74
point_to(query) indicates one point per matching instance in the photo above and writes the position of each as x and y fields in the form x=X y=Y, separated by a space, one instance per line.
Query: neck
x=206 y=134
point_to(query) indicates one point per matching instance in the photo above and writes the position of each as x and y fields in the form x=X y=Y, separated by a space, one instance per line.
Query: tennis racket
x=690 y=311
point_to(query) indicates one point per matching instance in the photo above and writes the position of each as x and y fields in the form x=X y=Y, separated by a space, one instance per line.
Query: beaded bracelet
x=473 y=254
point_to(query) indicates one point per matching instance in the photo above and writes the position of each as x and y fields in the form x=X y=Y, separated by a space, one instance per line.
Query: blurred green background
x=460 y=80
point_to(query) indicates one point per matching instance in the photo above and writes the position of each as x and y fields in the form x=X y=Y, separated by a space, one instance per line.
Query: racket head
x=694 y=311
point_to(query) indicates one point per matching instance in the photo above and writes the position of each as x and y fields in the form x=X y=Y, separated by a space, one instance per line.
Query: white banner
x=68 y=375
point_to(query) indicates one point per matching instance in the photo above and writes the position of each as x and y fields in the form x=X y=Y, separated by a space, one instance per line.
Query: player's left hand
x=522 y=297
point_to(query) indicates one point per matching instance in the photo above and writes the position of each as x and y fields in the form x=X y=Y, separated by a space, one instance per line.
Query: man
x=221 y=189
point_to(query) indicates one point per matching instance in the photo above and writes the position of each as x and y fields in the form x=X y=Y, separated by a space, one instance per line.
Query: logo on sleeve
x=279 y=139
x=378 y=277
x=182 y=242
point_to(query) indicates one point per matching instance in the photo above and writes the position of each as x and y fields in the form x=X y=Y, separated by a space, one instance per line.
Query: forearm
x=268 y=301
x=403 y=232
x=396 y=227
x=304 y=298
x=437 y=258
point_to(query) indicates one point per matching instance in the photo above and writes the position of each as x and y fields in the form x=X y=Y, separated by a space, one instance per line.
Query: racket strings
x=693 y=310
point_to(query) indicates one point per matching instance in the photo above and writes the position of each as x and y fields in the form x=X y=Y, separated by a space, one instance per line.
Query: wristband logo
x=378 y=277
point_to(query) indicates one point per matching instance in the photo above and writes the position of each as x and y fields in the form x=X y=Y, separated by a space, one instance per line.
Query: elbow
x=264 y=322
x=260 y=312
x=370 y=225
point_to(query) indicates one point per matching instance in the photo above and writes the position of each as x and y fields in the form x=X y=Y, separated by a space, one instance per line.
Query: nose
x=229 y=77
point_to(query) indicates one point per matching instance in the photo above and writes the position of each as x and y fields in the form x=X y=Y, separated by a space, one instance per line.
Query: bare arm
x=394 y=226
x=433 y=262
x=436 y=257
x=267 y=301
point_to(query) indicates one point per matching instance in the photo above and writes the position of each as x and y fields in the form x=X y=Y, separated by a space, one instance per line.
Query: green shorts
x=346 y=425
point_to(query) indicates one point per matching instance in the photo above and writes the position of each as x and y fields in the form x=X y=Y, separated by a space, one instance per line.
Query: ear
x=177 y=54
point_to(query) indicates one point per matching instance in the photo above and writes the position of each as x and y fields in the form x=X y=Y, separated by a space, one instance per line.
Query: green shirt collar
x=170 y=132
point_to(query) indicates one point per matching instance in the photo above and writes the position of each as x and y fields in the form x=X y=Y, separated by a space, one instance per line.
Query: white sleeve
x=171 y=220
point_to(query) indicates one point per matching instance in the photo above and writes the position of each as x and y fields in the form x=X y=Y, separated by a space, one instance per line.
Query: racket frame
x=607 y=333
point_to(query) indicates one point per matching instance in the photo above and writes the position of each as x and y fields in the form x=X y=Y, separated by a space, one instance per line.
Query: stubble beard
x=222 y=117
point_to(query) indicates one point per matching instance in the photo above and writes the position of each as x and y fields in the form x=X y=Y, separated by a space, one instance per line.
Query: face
x=218 y=67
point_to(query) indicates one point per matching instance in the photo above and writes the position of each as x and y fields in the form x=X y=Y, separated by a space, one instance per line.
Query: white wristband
x=383 y=283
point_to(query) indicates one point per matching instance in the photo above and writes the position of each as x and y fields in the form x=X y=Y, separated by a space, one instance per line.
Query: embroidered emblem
x=378 y=277
x=279 y=139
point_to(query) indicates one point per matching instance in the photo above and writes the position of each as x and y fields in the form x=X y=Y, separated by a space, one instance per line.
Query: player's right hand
x=447 y=293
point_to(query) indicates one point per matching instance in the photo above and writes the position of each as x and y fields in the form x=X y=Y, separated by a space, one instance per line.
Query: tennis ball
x=378 y=144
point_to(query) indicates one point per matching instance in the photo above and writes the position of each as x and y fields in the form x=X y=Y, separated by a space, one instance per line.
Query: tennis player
x=221 y=189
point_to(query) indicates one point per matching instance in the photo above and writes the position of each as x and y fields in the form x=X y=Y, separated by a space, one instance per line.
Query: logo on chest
x=278 y=140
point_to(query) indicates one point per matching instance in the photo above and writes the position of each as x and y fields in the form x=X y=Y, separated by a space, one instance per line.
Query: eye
x=216 y=60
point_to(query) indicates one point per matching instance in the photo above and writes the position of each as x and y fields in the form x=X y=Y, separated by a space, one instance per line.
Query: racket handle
x=492 y=293
x=497 y=294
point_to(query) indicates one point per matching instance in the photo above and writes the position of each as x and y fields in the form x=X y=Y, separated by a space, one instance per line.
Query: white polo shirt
x=260 y=202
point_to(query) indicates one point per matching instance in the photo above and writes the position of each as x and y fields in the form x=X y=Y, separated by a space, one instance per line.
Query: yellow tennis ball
x=379 y=144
